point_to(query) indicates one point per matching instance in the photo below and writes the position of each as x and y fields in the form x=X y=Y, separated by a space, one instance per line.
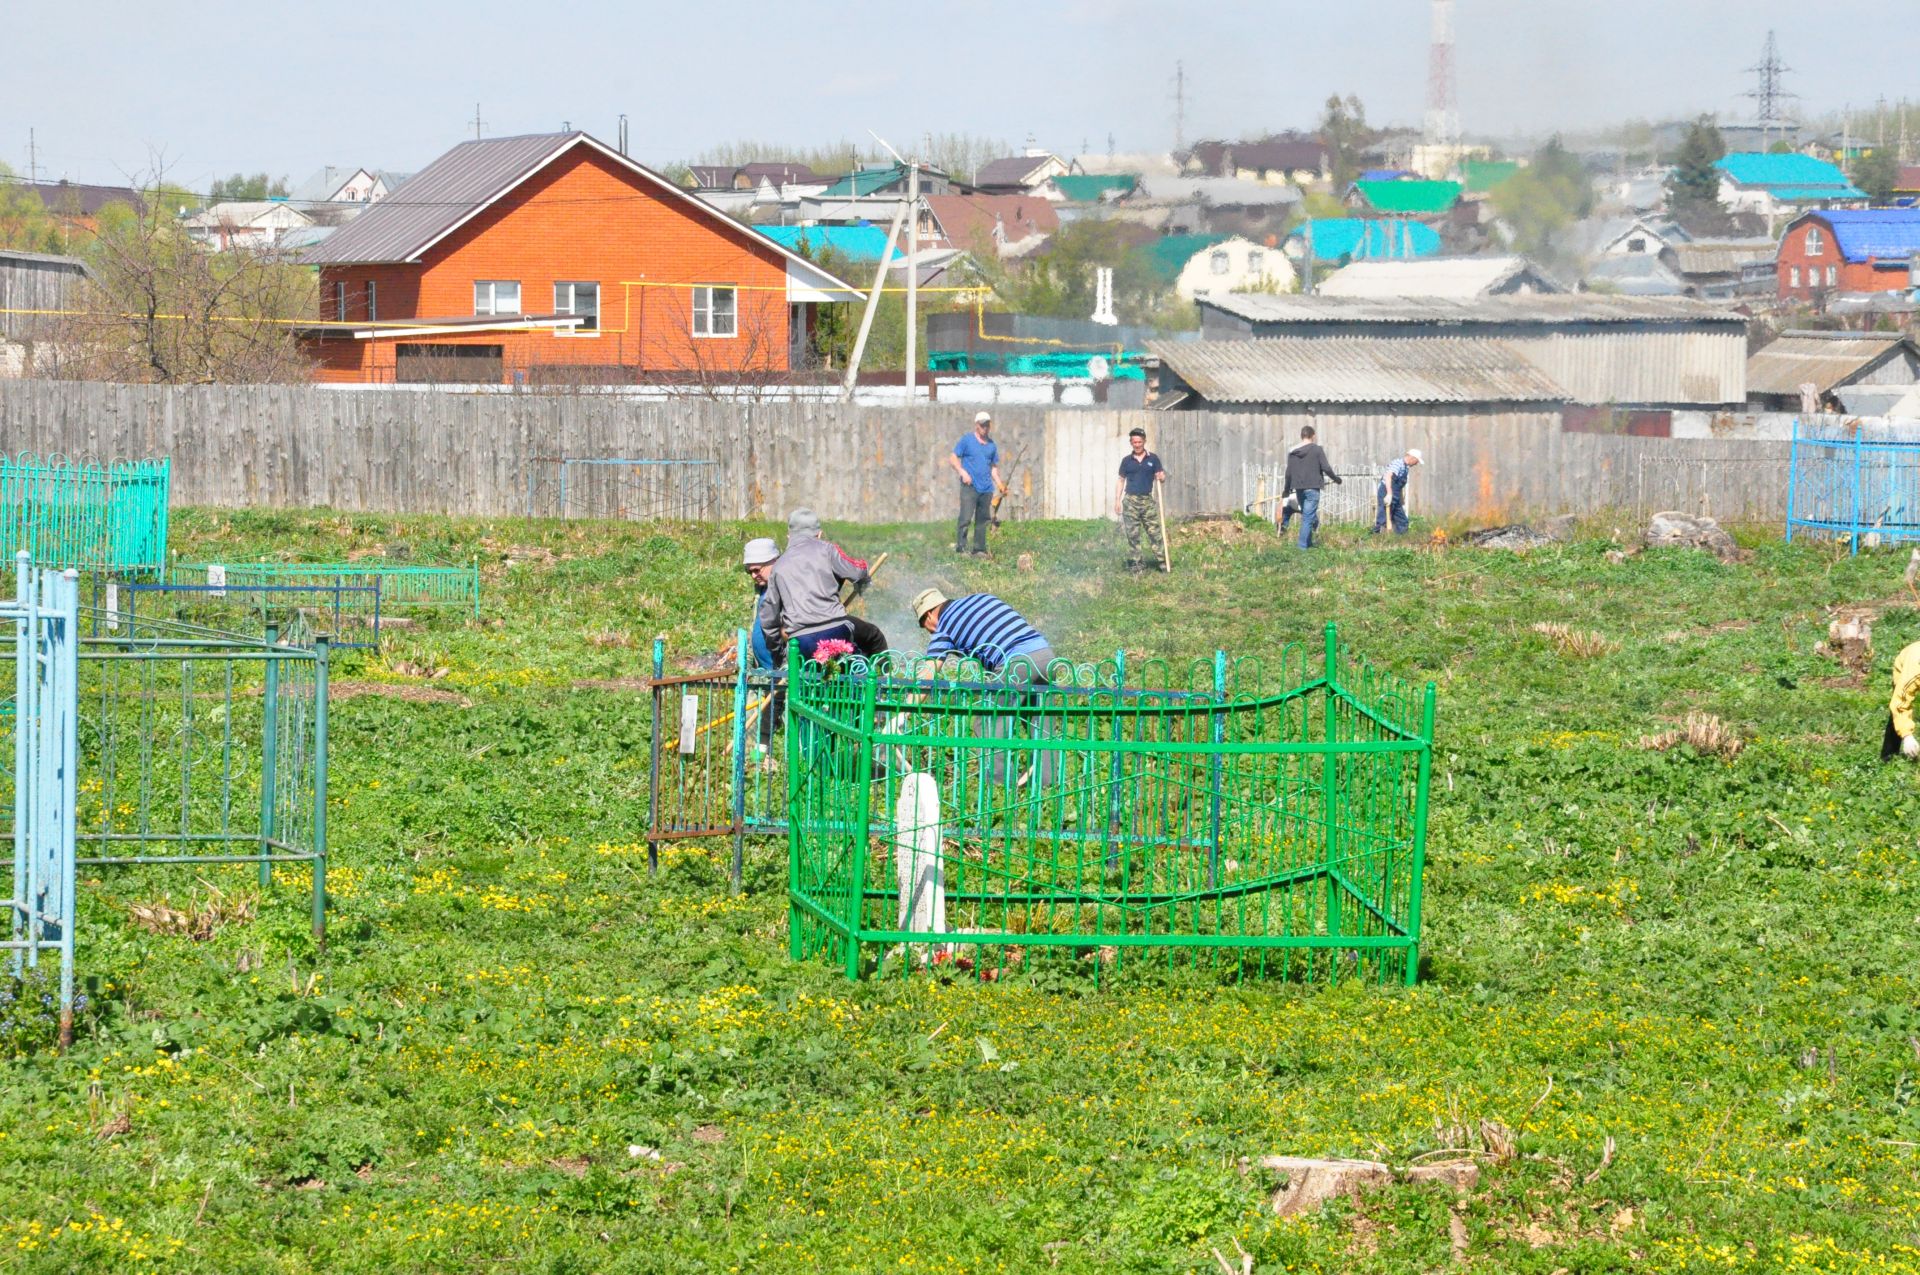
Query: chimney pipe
x=623 y=134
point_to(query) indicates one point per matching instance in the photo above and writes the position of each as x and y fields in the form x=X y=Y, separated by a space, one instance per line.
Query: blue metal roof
x=1887 y=234
x=1369 y=239
x=855 y=243
x=1800 y=172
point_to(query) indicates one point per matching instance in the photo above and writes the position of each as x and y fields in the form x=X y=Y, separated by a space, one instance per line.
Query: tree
x=1694 y=185
x=25 y=223
x=159 y=308
x=1877 y=173
x=241 y=186
x=1345 y=134
x=1542 y=199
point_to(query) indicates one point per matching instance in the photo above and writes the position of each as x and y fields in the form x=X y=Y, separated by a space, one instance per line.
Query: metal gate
x=717 y=756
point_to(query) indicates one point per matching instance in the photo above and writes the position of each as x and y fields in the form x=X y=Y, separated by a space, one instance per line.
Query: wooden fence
x=401 y=451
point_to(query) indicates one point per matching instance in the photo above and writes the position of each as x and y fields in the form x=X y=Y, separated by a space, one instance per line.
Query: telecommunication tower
x=1769 y=93
x=1443 y=114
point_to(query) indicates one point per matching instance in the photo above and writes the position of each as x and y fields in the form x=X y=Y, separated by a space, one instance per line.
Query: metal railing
x=402 y=586
x=349 y=614
x=86 y=516
x=1853 y=478
x=1259 y=825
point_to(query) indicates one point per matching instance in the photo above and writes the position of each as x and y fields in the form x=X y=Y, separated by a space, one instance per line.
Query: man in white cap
x=1390 y=494
x=976 y=459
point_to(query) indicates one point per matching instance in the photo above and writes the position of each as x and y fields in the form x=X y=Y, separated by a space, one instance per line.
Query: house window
x=1637 y=244
x=1814 y=243
x=1256 y=261
x=496 y=296
x=1833 y=275
x=1218 y=261
x=582 y=299
x=340 y=300
x=1793 y=277
x=714 y=311
x=373 y=301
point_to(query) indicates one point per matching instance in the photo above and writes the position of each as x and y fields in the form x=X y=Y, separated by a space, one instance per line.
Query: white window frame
x=572 y=297
x=491 y=304
x=1816 y=243
x=701 y=319
x=1219 y=261
x=373 y=301
x=1256 y=261
x=340 y=300
x=1833 y=276
x=1793 y=276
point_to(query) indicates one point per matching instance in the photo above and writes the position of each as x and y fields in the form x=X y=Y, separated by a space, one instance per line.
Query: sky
x=110 y=89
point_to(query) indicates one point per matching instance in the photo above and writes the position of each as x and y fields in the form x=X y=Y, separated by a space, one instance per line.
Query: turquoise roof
x=1169 y=255
x=1800 y=173
x=1368 y=239
x=863 y=182
x=855 y=243
x=1086 y=188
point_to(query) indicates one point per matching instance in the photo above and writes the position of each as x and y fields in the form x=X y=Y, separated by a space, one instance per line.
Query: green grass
x=1710 y=962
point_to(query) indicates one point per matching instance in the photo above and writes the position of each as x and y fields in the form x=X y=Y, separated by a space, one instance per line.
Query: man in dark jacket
x=802 y=601
x=1307 y=473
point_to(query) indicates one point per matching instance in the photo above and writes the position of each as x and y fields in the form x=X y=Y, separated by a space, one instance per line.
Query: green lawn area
x=521 y=1052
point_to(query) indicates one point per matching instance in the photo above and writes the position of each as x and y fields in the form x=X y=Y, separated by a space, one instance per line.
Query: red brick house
x=1848 y=250
x=554 y=259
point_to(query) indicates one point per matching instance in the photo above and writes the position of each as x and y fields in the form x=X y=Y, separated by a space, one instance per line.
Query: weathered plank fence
x=402 y=451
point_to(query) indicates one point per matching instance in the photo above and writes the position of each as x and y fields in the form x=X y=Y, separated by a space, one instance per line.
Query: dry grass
x=1574 y=642
x=1702 y=732
x=611 y=638
x=197 y=919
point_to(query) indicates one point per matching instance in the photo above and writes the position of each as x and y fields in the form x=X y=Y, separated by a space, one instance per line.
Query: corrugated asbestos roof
x=1824 y=359
x=1447 y=369
x=1579 y=307
x=1721 y=256
x=437 y=199
x=1456 y=277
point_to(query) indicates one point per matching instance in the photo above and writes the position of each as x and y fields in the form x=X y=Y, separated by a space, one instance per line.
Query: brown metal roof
x=441 y=196
x=1825 y=359
x=1447 y=369
x=1578 y=307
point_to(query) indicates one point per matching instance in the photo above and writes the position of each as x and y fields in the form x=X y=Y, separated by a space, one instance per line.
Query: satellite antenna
x=1098 y=368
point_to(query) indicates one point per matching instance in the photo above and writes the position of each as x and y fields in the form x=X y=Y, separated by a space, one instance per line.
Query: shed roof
x=1367 y=238
x=1573 y=307
x=1086 y=188
x=459 y=185
x=1457 y=277
x=1721 y=256
x=1757 y=168
x=65 y=196
x=1444 y=369
x=74 y=264
x=1886 y=234
x=855 y=243
x=1826 y=359
x=1011 y=170
x=1485 y=174
x=1221 y=192
x=1409 y=196
x=1635 y=274
x=1276 y=154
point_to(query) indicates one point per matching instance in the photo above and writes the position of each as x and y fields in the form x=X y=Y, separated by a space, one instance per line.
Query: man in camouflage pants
x=1133 y=500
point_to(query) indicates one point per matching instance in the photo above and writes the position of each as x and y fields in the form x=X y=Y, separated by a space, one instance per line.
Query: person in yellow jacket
x=1901 y=738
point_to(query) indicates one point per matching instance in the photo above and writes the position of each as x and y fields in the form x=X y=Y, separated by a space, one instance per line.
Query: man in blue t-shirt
x=976 y=459
x=1133 y=500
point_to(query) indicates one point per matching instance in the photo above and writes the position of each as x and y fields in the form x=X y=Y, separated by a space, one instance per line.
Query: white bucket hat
x=759 y=550
x=925 y=601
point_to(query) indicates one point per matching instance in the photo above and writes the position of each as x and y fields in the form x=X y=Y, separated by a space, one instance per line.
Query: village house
x=331 y=185
x=1019 y=174
x=1831 y=362
x=1209 y=265
x=553 y=258
x=1848 y=250
x=1430 y=201
x=258 y=225
x=1770 y=184
x=1278 y=160
x=76 y=206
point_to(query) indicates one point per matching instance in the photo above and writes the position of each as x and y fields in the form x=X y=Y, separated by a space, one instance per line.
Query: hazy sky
x=220 y=85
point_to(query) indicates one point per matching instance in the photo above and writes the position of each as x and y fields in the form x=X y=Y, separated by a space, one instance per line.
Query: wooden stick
x=1166 y=539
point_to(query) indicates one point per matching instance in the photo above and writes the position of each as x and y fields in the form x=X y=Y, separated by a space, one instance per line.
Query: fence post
x=320 y=645
x=1853 y=534
x=1330 y=789
x=863 y=811
x=653 y=749
x=1219 y=730
x=269 y=755
x=742 y=653
x=1113 y=769
x=1793 y=473
x=1420 y=836
x=23 y=716
x=66 y=599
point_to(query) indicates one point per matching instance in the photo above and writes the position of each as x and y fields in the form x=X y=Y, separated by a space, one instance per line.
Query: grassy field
x=520 y=1052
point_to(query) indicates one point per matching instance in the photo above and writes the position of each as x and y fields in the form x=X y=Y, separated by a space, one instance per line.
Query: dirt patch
x=1226 y=530
x=574 y=1166
x=709 y=1134
x=396 y=690
x=612 y=684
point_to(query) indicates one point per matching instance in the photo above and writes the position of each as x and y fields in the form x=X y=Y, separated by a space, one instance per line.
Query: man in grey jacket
x=1307 y=474
x=802 y=601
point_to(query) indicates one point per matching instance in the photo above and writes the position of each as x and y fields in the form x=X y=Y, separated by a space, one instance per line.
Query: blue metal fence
x=1853 y=478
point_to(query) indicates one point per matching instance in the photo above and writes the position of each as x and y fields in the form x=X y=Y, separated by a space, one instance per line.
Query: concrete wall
x=398 y=451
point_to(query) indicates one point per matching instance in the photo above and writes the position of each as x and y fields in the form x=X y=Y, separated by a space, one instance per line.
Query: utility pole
x=1179 y=106
x=33 y=159
x=913 y=275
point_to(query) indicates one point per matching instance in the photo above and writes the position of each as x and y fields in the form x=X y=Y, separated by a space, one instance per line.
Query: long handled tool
x=873 y=569
x=1166 y=539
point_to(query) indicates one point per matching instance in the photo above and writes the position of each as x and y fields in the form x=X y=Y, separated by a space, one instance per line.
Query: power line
x=1769 y=93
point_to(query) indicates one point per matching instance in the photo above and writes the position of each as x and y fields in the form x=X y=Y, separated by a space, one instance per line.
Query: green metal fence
x=1249 y=818
x=85 y=516
x=401 y=586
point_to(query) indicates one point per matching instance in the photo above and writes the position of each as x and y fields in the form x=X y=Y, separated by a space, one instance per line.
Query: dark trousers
x=868 y=637
x=1389 y=499
x=976 y=507
x=1890 y=746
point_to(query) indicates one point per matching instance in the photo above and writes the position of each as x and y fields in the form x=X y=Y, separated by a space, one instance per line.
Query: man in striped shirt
x=982 y=627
